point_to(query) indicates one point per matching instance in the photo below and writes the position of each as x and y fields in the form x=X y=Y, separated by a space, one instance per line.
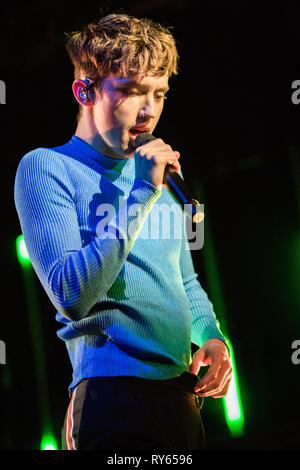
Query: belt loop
x=199 y=405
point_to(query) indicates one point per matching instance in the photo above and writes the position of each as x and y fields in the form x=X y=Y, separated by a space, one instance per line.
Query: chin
x=125 y=144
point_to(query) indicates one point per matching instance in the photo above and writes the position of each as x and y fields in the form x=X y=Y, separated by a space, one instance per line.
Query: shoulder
x=42 y=170
x=41 y=157
x=42 y=164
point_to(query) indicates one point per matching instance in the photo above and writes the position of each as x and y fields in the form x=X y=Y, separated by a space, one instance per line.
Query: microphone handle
x=183 y=196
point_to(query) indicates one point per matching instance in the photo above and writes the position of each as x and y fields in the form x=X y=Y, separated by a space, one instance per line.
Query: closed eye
x=130 y=92
x=160 y=97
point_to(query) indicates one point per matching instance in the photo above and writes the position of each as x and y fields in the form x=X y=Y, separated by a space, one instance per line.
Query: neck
x=86 y=130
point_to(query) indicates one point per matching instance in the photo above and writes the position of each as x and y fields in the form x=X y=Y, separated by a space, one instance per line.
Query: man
x=131 y=303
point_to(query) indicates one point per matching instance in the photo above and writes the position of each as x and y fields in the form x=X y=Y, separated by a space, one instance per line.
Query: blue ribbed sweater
x=128 y=296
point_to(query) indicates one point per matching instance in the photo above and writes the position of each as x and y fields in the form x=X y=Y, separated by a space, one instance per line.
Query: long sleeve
x=205 y=324
x=74 y=276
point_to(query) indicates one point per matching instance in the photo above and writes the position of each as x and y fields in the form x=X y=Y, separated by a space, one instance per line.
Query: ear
x=84 y=96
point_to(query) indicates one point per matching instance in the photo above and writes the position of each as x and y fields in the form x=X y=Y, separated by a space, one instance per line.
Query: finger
x=216 y=375
x=221 y=383
x=209 y=379
x=217 y=391
x=175 y=165
x=197 y=362
x=223 y=391
x=227 y=375
x=224 y=372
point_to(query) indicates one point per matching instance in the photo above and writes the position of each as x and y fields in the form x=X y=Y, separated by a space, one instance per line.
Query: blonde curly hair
x=123 y=45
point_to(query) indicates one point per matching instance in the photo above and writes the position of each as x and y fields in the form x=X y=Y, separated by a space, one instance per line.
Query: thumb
x=198 y=361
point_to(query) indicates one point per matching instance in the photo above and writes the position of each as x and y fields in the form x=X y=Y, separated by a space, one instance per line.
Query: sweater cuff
x=203 y=330
x=144 y=192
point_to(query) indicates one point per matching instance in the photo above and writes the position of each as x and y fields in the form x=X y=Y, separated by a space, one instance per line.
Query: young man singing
x=130 y=303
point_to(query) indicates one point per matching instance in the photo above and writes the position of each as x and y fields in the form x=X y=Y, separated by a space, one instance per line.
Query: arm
x=205 y=333
x=73 y=276
x=205 y=325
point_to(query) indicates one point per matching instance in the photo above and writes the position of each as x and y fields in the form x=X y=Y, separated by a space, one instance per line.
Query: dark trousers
x=129 y=413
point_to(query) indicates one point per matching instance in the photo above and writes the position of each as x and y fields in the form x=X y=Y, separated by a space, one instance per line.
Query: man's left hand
x=216 y=381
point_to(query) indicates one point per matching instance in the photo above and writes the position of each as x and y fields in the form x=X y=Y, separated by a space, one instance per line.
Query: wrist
x=217 y=342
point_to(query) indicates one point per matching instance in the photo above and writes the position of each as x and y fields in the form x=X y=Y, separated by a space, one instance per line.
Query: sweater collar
x=89 y=154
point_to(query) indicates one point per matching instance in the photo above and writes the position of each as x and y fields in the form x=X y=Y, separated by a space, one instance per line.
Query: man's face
x=128 y=106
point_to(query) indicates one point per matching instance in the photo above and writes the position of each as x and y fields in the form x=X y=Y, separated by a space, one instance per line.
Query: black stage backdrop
x=232 y=114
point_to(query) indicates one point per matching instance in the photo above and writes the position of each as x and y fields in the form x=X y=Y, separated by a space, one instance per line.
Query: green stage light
x=22 y=252
x=232 y=402
x=48 y=442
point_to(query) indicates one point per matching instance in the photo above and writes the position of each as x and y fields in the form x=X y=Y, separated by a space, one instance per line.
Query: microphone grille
x=142 y=139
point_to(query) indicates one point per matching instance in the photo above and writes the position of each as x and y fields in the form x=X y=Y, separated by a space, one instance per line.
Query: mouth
x=135 y=131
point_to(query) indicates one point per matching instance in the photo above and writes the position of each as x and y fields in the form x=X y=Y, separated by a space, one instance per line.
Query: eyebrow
x=128 y=82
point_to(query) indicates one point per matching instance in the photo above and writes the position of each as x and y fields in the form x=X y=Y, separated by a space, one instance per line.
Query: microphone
x=175 y=184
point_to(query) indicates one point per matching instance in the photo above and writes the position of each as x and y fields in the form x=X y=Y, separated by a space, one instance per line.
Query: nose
x=148 y=108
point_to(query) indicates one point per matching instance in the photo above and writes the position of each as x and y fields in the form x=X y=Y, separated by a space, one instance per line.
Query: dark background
x=230 y=114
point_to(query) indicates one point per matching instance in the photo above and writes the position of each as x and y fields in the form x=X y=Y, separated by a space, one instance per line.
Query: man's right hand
x=151 y=160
